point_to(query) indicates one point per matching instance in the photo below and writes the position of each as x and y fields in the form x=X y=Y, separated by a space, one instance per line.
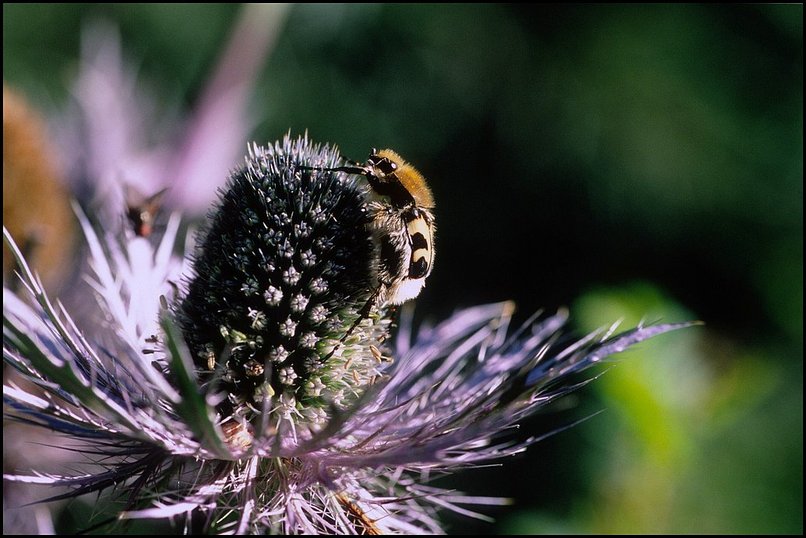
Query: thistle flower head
x=264 y=397
x=285 y=267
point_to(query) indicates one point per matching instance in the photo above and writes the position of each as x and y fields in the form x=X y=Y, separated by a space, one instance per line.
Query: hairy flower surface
x=260 y=399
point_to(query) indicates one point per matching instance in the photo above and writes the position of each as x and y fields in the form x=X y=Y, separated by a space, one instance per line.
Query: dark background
x=627 y=162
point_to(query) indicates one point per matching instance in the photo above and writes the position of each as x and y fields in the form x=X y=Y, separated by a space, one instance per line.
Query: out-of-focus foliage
x=628 y=161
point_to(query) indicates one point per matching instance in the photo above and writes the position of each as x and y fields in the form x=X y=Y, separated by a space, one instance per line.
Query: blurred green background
x=629 y=162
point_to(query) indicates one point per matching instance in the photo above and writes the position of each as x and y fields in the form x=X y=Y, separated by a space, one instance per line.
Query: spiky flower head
x=285 y=268
x=254 y=402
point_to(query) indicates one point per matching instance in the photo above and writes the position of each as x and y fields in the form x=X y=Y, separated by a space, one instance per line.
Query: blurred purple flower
x=341 y=447
x=116 y=135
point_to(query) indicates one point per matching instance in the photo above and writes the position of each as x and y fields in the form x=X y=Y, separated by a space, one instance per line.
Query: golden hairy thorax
x=411 y=179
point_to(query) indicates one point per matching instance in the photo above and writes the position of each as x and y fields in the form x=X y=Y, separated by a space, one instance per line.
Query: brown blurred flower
x=36 y=205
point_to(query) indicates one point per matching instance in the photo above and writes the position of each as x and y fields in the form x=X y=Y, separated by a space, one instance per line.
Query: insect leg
x=362 y=315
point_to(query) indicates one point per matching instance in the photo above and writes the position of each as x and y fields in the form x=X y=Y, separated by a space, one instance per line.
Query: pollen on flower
x=288 y=327
x=286 y=250
x=318 y=313
x=308 y=340
x=291 y=276
x=307 y=258
x=278 y=354
x=253 y=368
x=287 y=375
x=298 y=303
x=273 y=295
x=318 y=285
